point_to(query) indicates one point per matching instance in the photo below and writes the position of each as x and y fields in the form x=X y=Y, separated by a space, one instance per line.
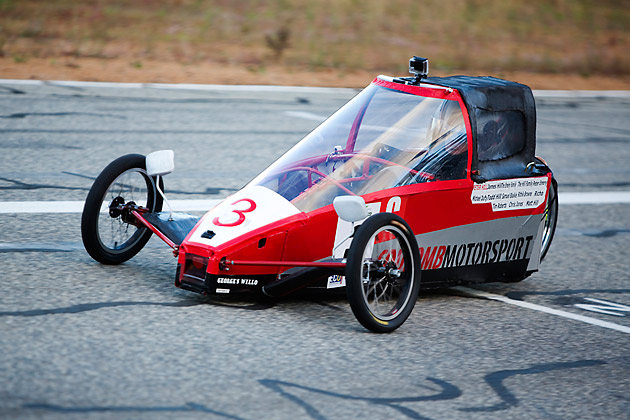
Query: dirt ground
x=122 y=70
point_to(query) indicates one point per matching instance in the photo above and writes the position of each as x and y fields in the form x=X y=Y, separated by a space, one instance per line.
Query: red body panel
x=426 y=207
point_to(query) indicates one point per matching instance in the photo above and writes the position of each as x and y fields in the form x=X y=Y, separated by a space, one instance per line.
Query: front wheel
x=383 y=273
x=110 y=235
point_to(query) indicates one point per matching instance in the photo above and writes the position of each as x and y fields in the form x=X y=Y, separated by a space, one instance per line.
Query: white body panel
x=246 y=210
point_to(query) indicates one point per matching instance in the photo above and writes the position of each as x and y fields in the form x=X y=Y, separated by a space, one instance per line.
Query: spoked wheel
x=550 y=219
x=383 y=273
x=109 y=234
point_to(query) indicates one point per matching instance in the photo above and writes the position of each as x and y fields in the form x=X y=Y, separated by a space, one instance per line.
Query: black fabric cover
x=495 y=95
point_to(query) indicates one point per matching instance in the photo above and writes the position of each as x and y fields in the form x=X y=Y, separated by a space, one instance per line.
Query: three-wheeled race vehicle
x=418 y=182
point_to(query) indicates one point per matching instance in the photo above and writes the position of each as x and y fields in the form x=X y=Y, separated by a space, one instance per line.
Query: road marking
x=181 y=86
x=7 y=207
x=581 y=94
x=39 y=247
x=540 y=308
x=305 y=115
x=604 y=307
x=576 y=94
x=13 y=207
x=595 y=197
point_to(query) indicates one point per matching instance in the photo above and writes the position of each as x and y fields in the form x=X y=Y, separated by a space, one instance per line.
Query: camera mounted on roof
x=419 y=66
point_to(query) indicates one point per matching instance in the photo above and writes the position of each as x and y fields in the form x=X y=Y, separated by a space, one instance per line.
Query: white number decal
x=241 y=213
x=393 y=205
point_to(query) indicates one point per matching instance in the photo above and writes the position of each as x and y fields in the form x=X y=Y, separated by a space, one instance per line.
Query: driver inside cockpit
x=447 y=154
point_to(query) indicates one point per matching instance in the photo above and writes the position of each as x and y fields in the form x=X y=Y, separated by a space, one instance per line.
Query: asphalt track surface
x=79 y=340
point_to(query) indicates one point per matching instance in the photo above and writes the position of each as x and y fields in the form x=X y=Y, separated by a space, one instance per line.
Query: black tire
x=550 y=219
x=382 y=287
x=106 y=236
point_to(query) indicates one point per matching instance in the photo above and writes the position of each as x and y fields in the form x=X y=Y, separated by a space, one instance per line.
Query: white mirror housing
x=350 y=208
x=161 y=162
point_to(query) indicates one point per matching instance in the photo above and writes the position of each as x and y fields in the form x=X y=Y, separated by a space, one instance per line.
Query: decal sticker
x=487 y=252
x=496 y=241
x=335 y=281
x=237 y=281
x=511 y=194
x=248 y=209
x=222 y=290
x=393 y=205
x=241 y=214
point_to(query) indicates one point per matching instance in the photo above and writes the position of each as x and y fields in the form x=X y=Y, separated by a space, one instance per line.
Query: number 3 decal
x=241 y=213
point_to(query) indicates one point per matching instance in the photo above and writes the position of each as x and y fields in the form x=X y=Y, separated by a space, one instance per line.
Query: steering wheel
x=310 y=171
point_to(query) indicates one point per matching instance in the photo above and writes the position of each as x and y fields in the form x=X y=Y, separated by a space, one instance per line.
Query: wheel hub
x=118 y=208
x=392 y=273
x=114 y=207
x=389 y=270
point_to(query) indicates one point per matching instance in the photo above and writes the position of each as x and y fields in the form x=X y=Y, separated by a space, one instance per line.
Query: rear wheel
x=110 y=235
x=382 y=273
x=550 y=219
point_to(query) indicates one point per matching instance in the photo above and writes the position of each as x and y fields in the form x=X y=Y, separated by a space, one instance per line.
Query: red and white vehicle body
x=466 y=230
x=451 y=160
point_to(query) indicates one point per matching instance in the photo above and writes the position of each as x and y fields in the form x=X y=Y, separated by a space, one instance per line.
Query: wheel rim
x=387 y=273
x=550 y=220
x=113 y=232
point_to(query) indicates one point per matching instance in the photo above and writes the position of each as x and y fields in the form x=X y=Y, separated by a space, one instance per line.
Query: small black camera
x=419 y=66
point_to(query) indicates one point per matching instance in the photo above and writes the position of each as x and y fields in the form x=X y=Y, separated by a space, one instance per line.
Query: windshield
x=381 y=139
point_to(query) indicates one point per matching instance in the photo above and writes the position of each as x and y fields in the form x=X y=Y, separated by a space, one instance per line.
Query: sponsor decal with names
x=511 y=194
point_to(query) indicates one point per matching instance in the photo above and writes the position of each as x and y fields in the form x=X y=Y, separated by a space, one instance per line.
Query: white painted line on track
x=77 y=206
x=13 y=207
x=540 y=308
x=576 y=94
x=581 y=94
x=181 y=86
x=595 y=197
x=305 y=115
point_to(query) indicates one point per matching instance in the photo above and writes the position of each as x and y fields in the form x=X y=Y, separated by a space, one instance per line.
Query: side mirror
x=161 y=162
x=350 y=208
